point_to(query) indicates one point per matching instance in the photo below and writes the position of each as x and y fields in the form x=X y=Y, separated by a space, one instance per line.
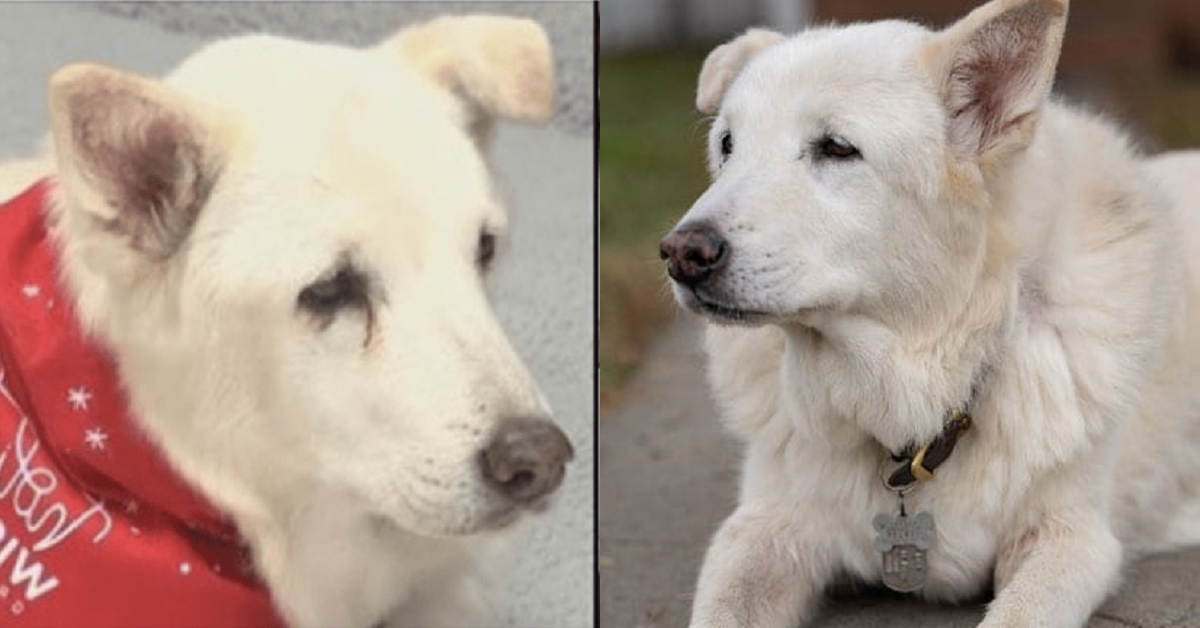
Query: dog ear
x=995 y=68
x=131 y=153
x=725 y=62
x=499 y=66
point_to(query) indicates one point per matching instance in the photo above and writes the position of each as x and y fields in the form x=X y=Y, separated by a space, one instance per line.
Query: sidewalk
x=668 y=476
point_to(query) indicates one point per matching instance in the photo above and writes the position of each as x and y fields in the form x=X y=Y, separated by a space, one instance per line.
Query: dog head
x=851 y=165
x=287 y=246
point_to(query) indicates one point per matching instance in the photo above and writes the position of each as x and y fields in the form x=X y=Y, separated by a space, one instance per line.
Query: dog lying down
x=954 y=322
x=278 y=256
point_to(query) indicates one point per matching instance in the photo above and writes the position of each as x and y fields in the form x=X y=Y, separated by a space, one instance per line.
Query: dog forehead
x=354 y=122
x=847 y=67
x=266 y=232
x=303 y=99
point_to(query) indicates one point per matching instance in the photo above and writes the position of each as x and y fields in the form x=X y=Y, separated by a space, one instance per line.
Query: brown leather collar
x=919 y=463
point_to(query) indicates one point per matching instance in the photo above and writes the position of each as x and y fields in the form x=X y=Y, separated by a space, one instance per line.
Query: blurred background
x=1138 y=62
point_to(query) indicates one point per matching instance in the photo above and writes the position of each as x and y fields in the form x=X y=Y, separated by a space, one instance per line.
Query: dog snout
x=693 y=253
x=526 y=458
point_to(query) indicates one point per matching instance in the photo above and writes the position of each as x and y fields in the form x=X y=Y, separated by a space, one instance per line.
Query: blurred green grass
x=651 y=169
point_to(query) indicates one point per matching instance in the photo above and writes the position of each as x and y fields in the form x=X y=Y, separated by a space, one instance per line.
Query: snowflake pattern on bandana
x=78 y=398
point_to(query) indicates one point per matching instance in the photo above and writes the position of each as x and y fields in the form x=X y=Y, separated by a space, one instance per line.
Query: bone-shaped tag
x=903 y=541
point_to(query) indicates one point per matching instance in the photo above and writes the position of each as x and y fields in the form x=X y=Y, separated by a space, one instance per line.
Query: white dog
x=284 y=247
x=906 y=247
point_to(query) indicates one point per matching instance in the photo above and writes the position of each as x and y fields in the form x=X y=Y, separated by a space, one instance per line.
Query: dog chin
x=511 y=515
x=491 y=522
x=494 y=519
x=720 y=311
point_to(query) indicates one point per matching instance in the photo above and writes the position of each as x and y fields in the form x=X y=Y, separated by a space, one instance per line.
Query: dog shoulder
x=1106 y=275
x=1116 y=244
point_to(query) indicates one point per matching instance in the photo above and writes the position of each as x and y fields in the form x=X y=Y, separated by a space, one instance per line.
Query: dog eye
x=347 y=288
x=726 y=145
x=833 y=147
x=486 y=250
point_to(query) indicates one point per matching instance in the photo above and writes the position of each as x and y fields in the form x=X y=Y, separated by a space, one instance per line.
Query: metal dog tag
x=903 y=541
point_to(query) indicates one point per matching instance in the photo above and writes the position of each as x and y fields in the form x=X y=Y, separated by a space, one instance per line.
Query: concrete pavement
x=668 y=475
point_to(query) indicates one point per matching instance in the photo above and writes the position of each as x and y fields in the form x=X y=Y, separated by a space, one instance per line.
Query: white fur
x=347 y=455
x=873 y=290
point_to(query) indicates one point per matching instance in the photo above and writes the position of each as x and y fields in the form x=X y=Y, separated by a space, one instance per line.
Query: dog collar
x=903 y=539
x=96 y=526
x=918 y=463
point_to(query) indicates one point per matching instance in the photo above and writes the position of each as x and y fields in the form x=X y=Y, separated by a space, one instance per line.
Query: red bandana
x=95 y=528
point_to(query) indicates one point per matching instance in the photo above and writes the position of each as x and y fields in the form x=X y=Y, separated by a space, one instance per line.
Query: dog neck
x=895 y=384
x=895 y=373
x=119 y=324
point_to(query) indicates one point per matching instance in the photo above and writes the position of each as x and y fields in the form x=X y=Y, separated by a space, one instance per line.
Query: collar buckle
x=921 y=465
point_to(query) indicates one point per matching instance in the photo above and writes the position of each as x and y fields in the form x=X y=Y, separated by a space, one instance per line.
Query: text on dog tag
x=903 y=541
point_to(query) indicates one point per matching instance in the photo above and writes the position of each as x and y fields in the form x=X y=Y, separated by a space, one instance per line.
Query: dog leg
x=758 y=572
x=1057 y=573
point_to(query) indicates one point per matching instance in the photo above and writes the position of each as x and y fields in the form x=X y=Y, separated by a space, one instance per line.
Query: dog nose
x=693 y=253
x=526 y=458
